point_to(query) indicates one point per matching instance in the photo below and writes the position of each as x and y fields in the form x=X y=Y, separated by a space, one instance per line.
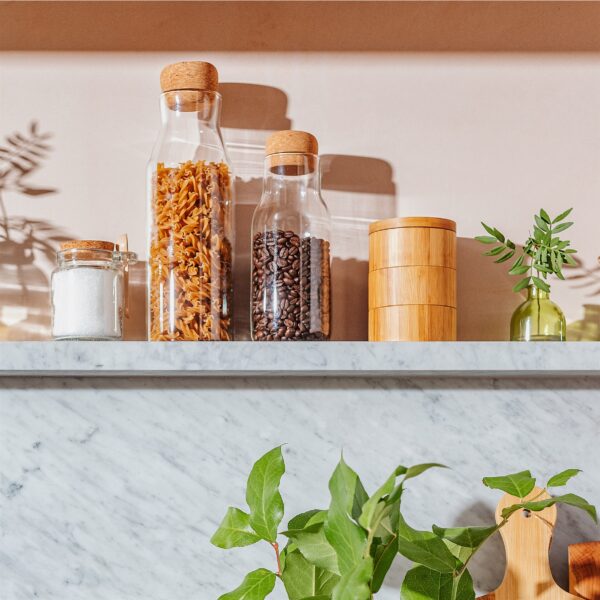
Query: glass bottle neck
x=534 y=292
x=182 y=109
x=290 y=171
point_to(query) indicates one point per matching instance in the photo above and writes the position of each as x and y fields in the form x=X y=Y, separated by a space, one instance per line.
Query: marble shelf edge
x=306 y=359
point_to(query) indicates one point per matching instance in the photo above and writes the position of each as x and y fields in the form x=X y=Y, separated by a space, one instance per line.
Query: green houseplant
x=543 y=254
x=345 y=551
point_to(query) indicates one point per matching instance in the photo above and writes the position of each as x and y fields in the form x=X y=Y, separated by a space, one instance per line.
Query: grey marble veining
x=137 y=359
x=111 y=487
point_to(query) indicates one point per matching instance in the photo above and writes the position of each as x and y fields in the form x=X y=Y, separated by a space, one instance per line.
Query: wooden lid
x=398 y=222
x=296 y=142
x=189 y=75
x=87 y=245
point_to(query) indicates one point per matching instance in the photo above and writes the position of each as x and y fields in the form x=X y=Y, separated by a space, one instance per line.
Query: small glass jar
x=89 y=291
x=190 y=213
x=291 y=228
x=538 y=319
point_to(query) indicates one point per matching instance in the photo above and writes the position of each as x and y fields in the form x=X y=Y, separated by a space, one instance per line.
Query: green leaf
x=493 y=231
x=313 y=543
x=384 y=556
x=545 y=216
x=562 y=216
x=541 y=223
x=469 y=537
x=262 y=494
x=520 y=270
x=354 y=585
x=299 y=522
x=539 y=284
x=542 y=268
x=505 y=257
x=562 y=227
x=416 y=470
x=495 y=251
x=371 y=509
x=302 y=579
x=569 y=259
x=517 y=484
x=570 y=499
x=425 y=548
x=347 y=538
x=234 y=531
x=522 y=284
x=562 y=478
x=422 y=583
x=486 y=239
x=256 y=586
x=510 y=244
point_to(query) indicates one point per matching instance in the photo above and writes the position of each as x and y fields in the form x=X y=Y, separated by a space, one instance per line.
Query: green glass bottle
x=538 y=319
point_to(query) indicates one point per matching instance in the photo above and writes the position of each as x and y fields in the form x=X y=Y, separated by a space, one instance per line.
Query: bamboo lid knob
x=189 y=75
x=296 y=142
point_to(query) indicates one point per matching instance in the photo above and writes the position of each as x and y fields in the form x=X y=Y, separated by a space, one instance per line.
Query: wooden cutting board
x=527 y=542
x=584 y=570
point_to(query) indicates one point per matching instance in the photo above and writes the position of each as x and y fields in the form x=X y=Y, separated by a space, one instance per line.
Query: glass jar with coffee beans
x=291 y=273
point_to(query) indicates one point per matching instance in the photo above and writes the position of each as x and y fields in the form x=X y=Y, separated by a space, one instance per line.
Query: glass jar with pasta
x=190 y=212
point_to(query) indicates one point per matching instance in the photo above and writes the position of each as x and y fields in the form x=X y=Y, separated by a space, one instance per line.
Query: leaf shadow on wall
x=586 y=329
x=485 y=300
x=25 y=244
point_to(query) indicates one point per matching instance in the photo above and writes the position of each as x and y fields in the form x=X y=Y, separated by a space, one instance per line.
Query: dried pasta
x=191 y=253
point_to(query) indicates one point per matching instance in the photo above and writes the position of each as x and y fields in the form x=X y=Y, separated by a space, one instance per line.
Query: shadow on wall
x=25 y=244
x=250 y=113
x=358 y=190
x=486 y=301
x=586 y=329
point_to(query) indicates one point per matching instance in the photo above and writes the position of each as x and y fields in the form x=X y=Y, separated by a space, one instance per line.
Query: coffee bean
x=290 y=287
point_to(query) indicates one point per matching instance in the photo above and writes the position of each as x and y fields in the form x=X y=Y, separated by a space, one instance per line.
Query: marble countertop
x=276 y=359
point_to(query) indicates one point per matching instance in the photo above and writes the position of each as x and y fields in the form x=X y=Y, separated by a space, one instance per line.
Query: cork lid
x=398 y=222
x=189 y=75
x=87 y=245
x=297 y=142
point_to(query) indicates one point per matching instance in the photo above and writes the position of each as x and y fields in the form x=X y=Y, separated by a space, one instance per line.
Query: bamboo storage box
x=412 y=280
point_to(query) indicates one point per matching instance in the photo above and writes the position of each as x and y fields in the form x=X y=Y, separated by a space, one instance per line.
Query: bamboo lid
x=189 y=75
x=296 y=142
x=87 y=245
x=398 y=222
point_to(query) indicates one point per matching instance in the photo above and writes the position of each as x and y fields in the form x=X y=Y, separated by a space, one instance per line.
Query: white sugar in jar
x=88 y=291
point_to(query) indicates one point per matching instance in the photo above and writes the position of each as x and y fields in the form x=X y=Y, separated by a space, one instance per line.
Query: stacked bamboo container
x=412 y=280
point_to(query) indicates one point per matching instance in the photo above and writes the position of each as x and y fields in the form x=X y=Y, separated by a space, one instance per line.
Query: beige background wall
x=459 y=110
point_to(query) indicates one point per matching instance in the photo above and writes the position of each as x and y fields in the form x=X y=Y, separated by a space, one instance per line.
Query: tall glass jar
x=190 y=212
x=291 y=228
x=538 y=319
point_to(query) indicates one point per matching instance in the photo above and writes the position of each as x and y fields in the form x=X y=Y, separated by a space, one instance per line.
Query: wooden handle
x=527 y=538
x=584 y=570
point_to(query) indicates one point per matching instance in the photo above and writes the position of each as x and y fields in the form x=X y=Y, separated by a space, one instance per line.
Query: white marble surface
x=303 y=359
x=111 y=487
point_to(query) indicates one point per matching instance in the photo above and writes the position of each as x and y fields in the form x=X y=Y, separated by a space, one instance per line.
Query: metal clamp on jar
x=89 y=290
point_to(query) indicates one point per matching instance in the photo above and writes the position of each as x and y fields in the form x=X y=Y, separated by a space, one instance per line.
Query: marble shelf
x=312 y=359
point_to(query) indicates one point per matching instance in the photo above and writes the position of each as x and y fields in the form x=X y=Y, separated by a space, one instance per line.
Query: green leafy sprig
x=442 y=556
x=543 y=252
x=345 y=551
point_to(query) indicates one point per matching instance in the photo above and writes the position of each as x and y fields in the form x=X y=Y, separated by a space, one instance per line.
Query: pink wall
x=490 y=133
